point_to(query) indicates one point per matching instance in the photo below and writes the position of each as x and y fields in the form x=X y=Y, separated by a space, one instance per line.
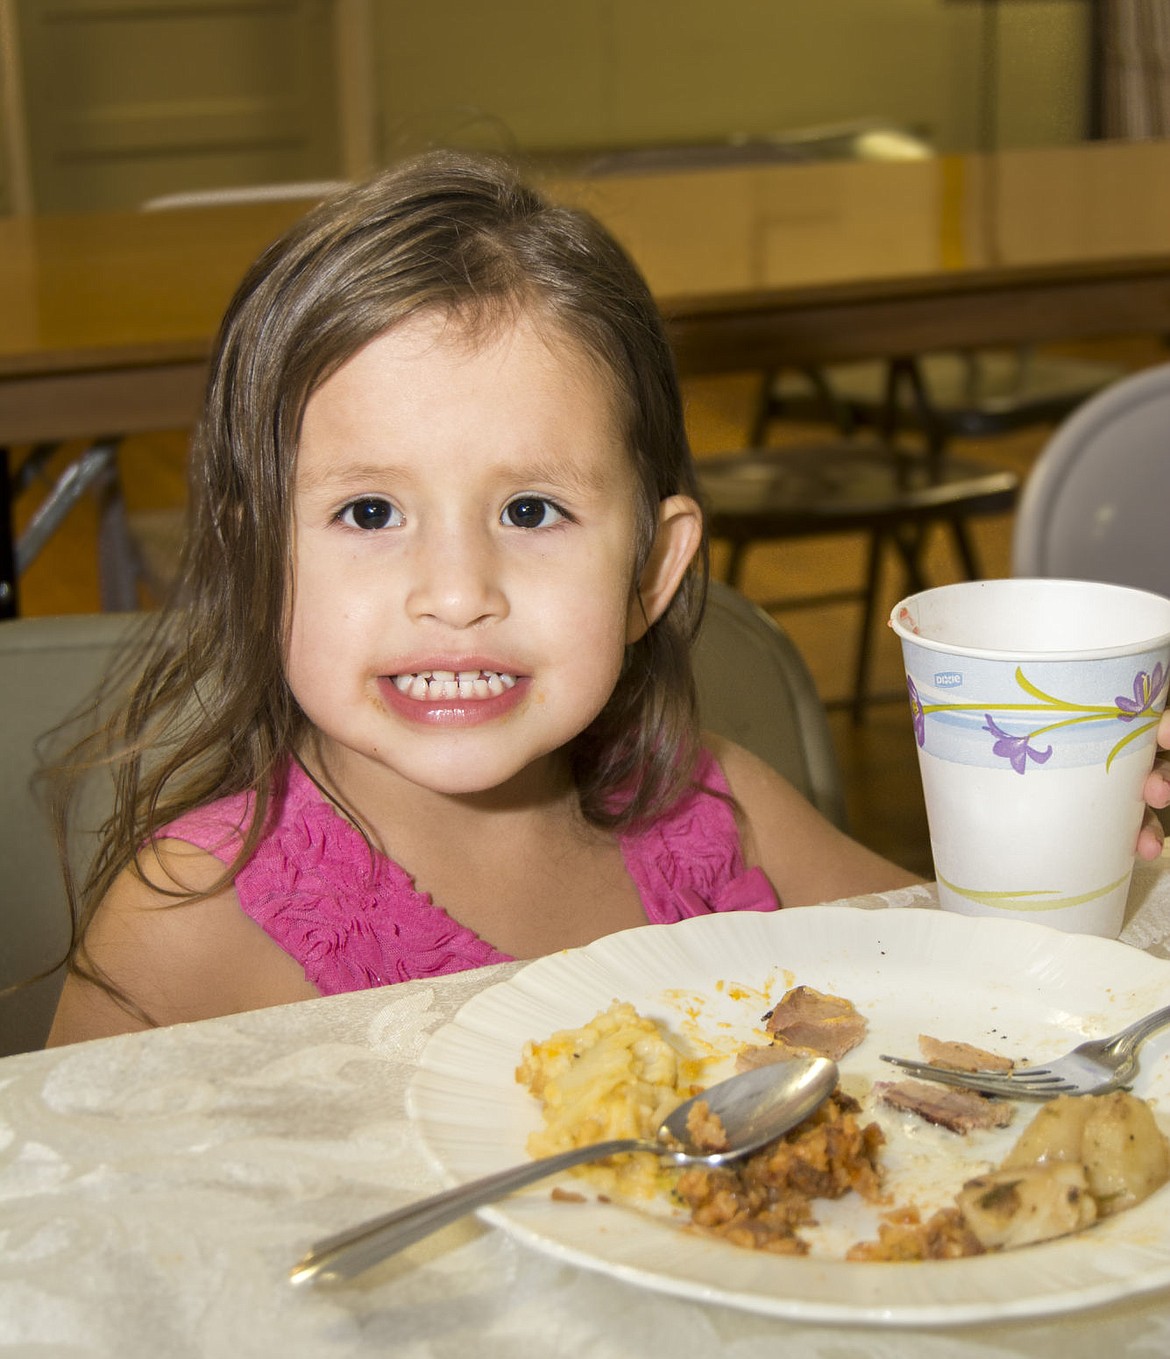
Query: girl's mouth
x=431 y=686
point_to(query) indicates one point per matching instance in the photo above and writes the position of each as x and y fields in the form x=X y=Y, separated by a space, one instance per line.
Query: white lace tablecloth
x=155 y=1188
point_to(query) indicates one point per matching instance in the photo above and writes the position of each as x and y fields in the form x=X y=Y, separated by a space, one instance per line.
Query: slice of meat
x=961 y=1111
x=758 y=1055
x=961 y=1056
x=809 y=1021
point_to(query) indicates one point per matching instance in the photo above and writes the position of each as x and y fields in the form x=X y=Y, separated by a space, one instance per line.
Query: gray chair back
x=1094 y=505
x=753 y=686
x=48 y=668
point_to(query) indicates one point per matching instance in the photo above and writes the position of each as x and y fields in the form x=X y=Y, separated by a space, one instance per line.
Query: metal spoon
x=755 y=1108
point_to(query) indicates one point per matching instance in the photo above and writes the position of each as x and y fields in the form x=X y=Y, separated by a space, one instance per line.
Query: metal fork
x=1093 y=1068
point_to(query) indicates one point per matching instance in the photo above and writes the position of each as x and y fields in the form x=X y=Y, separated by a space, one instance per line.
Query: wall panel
x=127 y=99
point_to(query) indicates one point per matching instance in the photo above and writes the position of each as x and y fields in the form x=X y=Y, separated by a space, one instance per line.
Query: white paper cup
x=1035 y=707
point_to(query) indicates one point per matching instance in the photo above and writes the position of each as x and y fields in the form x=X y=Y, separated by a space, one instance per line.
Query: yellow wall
x=125 y=99
x=549 y=75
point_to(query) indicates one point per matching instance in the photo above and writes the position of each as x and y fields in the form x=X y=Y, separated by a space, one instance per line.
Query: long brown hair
x=209 y=712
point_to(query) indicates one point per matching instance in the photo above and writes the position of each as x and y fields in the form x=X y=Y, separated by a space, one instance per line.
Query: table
x=106 y=324
x=822 y=263
x=107 y=319
x=156 y=1187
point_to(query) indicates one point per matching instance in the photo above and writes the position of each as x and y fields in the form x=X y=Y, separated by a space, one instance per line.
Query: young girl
x=423 y=699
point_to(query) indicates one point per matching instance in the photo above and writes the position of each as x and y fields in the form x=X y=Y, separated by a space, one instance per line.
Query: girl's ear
x=680 y=530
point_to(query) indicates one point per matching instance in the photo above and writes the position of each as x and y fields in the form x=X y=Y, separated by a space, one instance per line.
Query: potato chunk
x=1056 y=1133
x=1019 y=1207
x=1124 y=1152
x=1115 y=1137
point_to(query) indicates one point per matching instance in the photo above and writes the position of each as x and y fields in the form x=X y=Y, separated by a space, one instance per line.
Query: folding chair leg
x=908 y=371
x=33 y=468
x=910 y=540
x=762 y=418
x=119 y=567
x=8 y=596
x=838 y=412
x=87 y=471
x=873 y=576
x=966 y=549
x=95 y=470
x=735 y=563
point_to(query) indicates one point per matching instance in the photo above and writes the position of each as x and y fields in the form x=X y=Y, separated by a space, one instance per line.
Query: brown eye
x=528 y=512
x=371 y=512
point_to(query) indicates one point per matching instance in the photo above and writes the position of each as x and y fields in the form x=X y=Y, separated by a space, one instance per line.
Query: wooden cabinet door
x=125 y=100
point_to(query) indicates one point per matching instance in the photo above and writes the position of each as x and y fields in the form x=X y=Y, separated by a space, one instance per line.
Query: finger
x=1164 y=730
x=1156 y=790
x=1150 y=838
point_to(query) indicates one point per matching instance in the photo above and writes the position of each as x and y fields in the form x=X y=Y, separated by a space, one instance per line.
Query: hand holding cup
x=1037 y=707
x=1157 y=794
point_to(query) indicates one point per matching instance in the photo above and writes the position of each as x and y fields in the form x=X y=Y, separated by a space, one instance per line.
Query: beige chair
x=48 y=667
x=754 y=688
x=1094 y=505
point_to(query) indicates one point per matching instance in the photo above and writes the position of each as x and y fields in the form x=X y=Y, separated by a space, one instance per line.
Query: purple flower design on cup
x=1014 y=748
x=1146 y=688
x=917 y=711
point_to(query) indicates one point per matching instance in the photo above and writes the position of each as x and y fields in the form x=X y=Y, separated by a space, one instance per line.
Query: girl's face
x=464 y=558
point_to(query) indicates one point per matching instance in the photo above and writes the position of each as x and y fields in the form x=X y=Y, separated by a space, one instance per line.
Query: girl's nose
x=456 y=580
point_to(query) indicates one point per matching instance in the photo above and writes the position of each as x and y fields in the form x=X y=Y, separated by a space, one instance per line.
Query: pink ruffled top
x=353 y=919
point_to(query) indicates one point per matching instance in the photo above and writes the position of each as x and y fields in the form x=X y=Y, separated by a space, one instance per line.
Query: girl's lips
x=453 y=698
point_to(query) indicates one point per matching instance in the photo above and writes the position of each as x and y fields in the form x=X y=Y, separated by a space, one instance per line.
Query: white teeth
x=440 y=684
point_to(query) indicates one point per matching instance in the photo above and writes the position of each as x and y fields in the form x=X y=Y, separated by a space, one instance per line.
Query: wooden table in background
x=107 y=319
